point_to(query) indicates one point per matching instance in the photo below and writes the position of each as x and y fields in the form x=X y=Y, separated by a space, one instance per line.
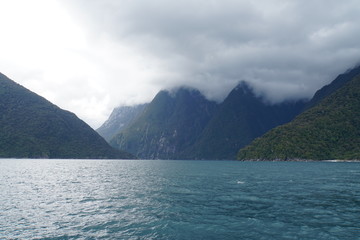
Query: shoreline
x=299 y=160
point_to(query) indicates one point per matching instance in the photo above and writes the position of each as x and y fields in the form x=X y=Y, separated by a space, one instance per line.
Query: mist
x=124 y=52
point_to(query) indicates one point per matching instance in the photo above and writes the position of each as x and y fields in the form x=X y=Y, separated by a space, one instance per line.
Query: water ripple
x=94 y=199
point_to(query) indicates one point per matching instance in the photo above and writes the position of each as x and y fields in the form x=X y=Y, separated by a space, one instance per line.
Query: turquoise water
x=96 y=199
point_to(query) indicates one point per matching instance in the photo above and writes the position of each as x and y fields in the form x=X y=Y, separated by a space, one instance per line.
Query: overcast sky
x=89 y=56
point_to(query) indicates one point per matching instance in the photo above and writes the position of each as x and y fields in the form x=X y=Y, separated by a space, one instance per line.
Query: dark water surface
x=97 y=199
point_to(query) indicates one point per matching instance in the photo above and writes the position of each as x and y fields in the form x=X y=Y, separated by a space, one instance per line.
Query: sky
x=89 y=56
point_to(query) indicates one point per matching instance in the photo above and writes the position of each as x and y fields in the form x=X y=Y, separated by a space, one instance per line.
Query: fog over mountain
x=123 y=52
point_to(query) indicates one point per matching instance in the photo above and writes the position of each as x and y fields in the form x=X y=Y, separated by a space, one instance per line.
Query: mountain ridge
x=232 y=124
x=337 y=83
x=169 y=124
x=32 y=127
x=240 y=118
x=119 y=119
x=328 y=130
x=210 y=137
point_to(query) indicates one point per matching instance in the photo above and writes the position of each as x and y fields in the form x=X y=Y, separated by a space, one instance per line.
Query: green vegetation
x=32 y=127
x=168 y=125
x=239 y=119
x=184 y=125
x=120 y=118
x=340 y=81
x=329 y=130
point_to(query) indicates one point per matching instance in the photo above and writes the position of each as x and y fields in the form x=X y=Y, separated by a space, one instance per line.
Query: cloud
x=286 y=49
x=114 y=52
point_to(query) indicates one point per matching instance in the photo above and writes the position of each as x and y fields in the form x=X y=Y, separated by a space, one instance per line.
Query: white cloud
x=89 y=56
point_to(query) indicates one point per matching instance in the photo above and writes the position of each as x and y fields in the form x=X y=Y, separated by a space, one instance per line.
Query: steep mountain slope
x=168 y=125
x=329 y=130
x=340 y=81
x=119 y=119
x=327 y=90
x=240 y=118
x=32 y=127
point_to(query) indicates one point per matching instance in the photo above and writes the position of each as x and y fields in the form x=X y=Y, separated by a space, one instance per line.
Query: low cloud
x=285 y=49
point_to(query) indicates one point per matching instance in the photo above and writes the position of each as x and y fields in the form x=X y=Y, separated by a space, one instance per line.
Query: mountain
x=328 y=130
x=168 y=125
x=183 y=124
x=119 y=119
x=239 y=119
x=340 y=81
x=32 y=127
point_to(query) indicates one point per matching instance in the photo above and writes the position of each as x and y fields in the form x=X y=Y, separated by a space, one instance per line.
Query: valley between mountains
x=182 y=124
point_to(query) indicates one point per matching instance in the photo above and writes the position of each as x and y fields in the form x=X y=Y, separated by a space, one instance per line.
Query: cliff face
x=168 y=125
x=184 y=125
x=239 y=119
x=119 y=119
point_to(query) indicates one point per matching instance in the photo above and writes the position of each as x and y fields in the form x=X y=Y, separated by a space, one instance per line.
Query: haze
x=89 y=56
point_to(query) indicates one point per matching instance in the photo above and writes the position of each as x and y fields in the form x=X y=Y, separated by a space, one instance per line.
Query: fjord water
x=98 y=199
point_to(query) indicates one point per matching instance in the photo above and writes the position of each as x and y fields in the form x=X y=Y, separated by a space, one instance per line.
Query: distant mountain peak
x=119 y=119
x=169 y=124
x=183 y=91
x=182 y=123
x=243 y=86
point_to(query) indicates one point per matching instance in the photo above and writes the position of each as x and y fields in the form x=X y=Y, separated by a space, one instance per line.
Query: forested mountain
x=168 y=125
x=337 y=83
x=119 y=119
x=239 y=119
x=183 y=124
x=328 y=130
x=32 y=127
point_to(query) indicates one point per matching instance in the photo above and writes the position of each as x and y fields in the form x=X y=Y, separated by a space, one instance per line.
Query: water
x=96 y=199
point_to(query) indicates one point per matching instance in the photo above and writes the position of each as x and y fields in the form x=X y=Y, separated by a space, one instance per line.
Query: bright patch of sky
x=89 y=56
